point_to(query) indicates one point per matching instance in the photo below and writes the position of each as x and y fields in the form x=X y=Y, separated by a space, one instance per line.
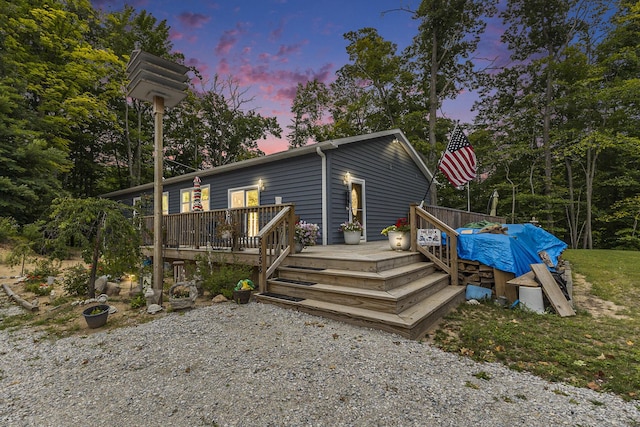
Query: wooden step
x=382 y=281
x=395 y=300
x=411 y=323
x=386 y=261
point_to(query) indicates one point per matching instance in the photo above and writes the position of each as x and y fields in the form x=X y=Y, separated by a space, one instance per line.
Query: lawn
x=598 y=351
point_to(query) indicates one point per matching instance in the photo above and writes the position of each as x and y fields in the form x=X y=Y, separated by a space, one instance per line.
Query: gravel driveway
x=260 y=365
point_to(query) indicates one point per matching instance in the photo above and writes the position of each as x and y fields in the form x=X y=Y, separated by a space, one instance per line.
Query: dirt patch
x=66 y=319
x=597 y=307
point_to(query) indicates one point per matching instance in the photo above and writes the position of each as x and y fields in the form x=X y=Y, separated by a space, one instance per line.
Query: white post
x=158 y=267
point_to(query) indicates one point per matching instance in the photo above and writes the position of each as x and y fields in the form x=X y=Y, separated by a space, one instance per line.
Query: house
x=370 y=178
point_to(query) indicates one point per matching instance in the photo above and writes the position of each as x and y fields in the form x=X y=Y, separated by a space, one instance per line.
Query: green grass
x=601 y=353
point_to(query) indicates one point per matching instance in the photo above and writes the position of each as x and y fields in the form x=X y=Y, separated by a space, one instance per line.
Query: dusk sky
x=269 y=46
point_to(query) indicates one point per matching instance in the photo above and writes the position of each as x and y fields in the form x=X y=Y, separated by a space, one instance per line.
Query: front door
x=357 y=208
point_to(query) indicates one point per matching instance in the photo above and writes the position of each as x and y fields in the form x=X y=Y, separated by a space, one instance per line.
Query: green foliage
x=75 y=280
x=44 y=268
x=138 y=301
x=218 y=276
x=39 y=288
x=103 y=229
x=8 y=229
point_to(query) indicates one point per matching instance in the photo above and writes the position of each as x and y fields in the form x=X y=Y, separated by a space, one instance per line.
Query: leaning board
x=552 y=290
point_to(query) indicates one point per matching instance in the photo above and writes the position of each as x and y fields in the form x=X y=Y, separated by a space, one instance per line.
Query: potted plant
x=96 y=315
x=398 y=234
x=242 y=291
x=352 y=231
x=305 y=235
x=182 y=295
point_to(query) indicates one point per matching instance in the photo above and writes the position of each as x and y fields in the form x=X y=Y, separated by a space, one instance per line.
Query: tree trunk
x=95 y=257
x=590 y=171
x=546 y=143
x=433 y=109
x=571 y=208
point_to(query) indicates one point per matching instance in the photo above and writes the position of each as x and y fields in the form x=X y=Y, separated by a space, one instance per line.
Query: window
x=145 y=204
x=186 y=198
x=246 y=197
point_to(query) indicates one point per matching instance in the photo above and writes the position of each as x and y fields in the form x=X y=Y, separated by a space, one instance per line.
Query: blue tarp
x=514 y=251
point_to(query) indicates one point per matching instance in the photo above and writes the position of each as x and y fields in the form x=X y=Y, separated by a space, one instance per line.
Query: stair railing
x=435 y=240
x=277 y=239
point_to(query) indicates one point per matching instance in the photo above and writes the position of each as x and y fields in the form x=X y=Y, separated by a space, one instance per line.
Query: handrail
x=276 y=243
x=221 y=228
x=445 y=256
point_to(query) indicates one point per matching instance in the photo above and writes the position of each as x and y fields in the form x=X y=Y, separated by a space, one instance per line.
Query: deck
x=368 y=284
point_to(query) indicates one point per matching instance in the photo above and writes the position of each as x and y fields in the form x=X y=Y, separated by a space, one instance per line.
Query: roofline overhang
x=294 y=152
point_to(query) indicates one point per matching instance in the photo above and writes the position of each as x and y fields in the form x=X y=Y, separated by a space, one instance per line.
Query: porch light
x=162 y=82
x=261 y=184
x=347 y=178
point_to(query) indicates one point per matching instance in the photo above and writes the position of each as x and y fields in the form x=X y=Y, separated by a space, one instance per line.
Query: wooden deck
x=368 y=285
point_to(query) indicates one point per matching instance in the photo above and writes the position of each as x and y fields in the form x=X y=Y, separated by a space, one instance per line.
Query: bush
x=8 y=229
x=138 y=301
x=220 y=277
x=38 y=288
x=45 y=268
x=76 y=280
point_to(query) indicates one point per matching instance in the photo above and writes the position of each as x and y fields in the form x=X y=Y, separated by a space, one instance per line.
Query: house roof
x=295 y=152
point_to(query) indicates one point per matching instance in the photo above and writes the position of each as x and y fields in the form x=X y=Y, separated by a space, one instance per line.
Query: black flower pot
x=96 y=320
x=241 y=297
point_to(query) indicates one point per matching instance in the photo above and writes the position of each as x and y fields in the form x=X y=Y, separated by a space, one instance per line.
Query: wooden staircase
x=402 y=293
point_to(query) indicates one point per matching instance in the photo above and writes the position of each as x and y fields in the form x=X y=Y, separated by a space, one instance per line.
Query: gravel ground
x=260 y=365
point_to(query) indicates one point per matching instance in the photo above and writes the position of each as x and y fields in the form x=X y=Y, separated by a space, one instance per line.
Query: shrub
x=138 y=301
x=38 y=288
x=220 y=277
x=45 y=268
x=75 y=280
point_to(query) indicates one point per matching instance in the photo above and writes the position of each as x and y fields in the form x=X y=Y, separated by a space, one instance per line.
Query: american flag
x=458 y=162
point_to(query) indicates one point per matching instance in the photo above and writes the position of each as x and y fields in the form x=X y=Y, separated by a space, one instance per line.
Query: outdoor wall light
x=261 y=184
x=347 y=178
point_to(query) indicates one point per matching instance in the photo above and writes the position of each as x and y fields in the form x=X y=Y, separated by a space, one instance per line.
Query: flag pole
x=433 y=175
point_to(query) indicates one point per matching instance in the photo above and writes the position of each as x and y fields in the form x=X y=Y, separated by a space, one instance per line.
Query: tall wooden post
x=158 y=267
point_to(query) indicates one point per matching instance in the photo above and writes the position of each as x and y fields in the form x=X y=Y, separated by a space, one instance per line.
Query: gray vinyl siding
x=392 y=181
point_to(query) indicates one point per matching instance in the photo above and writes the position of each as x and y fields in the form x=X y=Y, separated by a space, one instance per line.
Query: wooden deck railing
x=223 y=228
x=455 y=218
x=445 y=256
x=276 y=242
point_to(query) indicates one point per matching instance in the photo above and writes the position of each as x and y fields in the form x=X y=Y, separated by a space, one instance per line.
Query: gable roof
x=291 y=153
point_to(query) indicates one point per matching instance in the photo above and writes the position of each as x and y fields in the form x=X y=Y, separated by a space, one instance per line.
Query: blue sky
x=269 y=46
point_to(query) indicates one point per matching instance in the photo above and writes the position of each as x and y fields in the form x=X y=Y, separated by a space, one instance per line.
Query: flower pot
x=399 y=241
x=352 y=237
x=298 y=248
x=179 y=302
x=96 y=320
x=241 y=297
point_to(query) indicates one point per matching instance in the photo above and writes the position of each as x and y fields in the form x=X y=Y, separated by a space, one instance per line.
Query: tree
x=309 y=106
x=439 y=56
x=212 y=128
x=103 y=229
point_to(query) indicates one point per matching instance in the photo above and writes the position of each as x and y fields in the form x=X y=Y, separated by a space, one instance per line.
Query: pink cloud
x=175 y=35
x=291 y=49
x=194 y=20
x=228 y=40
x=276 y=34
x=223 y=67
